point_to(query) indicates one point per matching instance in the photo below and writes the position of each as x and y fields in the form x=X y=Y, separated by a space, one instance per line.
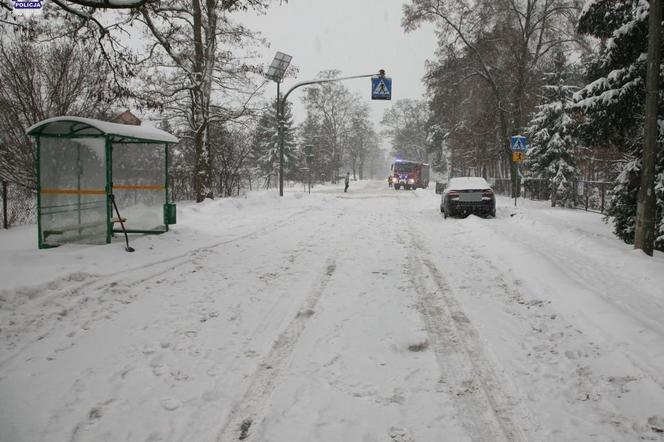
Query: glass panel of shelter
x=73 y=204
x=139 y=185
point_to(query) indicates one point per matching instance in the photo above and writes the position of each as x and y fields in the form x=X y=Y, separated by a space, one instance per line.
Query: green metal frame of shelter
x=81 y=162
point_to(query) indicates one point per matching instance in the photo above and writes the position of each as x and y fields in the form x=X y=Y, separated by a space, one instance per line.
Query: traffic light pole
x=281 y=105
x=280 y=129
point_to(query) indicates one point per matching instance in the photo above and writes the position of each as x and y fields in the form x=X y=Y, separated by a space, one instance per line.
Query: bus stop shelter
x=82 y=163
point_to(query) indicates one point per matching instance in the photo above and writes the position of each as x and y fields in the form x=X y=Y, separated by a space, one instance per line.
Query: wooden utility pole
x=644 y=238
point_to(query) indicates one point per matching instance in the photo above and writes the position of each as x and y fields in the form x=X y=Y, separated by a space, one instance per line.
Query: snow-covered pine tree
x=265 y=151
x=551 y=156
x=613 y=103
x=321 y=161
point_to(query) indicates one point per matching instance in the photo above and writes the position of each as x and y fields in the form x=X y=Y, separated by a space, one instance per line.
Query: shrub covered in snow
x=551 y=157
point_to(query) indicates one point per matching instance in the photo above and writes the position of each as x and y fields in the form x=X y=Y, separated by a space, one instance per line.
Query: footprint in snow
x=155 y=436
x=398 y=434
x=215 y=370
x=656 y=423
x=159 y=370
x=211 y=396
x=170 y=403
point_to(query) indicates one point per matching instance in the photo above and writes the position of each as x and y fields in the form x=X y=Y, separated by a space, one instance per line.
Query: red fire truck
x=409 y=174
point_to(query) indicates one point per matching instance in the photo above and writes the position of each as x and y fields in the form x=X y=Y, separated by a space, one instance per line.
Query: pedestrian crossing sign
x=381 y=88
x=519 y=143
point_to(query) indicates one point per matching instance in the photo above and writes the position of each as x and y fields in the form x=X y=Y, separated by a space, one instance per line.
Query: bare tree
x=230 y=149
x=361 y=140
x=187 y=68
x=331 y=105
x=406 y=122
x=505 y=41
x=465 y=121
x=192 y=60
x=42 y=81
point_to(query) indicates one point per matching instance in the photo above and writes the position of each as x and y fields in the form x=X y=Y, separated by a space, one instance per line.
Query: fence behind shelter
x=18 y=205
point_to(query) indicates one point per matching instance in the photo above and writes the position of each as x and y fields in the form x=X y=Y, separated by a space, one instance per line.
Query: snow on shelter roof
x=79 y=126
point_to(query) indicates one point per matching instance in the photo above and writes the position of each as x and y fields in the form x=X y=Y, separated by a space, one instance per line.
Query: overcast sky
x=356 y=36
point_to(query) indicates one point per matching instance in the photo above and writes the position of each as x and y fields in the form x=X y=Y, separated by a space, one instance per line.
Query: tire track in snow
x=598 y=281
x=247 y=414
x=590 y=274
x=489 y=408
x=94 y=287
x=557 y=344
x=590 y=392
x=160 y=359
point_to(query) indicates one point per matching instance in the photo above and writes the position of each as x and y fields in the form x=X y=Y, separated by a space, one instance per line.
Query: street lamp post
x=283 y=104
x=276 y=73
x=280 y=128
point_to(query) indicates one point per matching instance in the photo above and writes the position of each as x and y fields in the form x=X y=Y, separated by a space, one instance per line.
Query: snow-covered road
x=336 y=317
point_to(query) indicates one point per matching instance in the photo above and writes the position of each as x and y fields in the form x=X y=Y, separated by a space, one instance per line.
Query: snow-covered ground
x=362 y=316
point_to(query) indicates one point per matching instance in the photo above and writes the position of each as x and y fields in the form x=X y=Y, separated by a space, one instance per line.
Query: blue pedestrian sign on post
x=381 y=88
x=519 y=143
x=519 y=146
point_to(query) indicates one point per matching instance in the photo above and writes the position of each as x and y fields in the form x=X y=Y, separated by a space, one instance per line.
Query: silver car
x=466 y=195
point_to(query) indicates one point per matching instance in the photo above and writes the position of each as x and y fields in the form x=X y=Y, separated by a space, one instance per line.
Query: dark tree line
x=612 y=104
x=510 y=67
x=489 y=60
